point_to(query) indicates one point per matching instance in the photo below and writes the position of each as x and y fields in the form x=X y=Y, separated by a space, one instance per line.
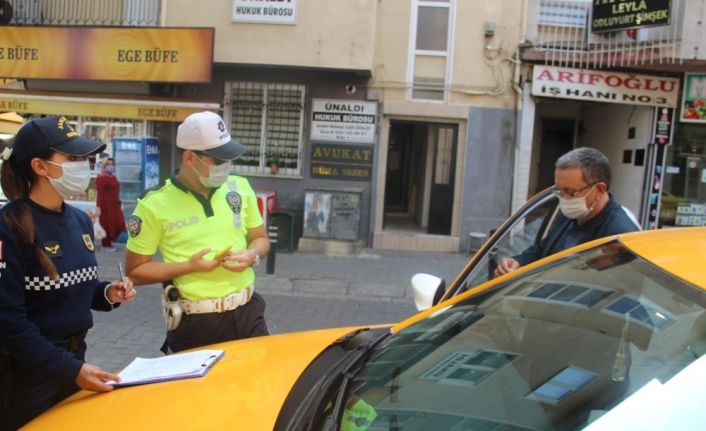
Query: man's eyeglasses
x=216 y=162
x=568 y=194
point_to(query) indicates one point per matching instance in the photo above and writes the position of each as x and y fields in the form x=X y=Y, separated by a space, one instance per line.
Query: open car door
x=525 y=227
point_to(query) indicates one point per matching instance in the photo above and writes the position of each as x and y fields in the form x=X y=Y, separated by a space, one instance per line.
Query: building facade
x=626 y=77
x=386 y=117
x=444 y=74
x=109 y=66
x=383 y=124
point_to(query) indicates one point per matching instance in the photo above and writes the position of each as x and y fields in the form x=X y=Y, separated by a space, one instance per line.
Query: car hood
x=244 y=390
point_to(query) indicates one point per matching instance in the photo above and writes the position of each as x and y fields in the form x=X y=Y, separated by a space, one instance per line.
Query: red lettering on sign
x=545 y=76
x=566 y=77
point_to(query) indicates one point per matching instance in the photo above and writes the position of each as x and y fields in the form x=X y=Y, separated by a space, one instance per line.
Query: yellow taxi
x=608 y=335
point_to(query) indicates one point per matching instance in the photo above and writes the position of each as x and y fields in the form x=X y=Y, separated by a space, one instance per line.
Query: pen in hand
x=123 y=290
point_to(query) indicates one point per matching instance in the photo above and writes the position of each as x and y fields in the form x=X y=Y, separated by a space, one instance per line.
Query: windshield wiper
x=311 y=405
x=348 y=373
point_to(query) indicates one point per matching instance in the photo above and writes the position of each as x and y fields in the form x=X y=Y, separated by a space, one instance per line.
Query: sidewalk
x=307 y=291
x=373 y=274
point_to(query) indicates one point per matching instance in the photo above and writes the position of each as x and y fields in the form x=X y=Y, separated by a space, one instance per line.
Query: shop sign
x=342 y=162
x=343 y=121
x=613 y=15
x=663 y=126
x=150 y=110
x=265 y=11
x=102 y=53
x=662 y=137
x=605 y=86
x=693 y=105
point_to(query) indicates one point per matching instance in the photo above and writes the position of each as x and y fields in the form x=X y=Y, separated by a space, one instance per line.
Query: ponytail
x=16 y=182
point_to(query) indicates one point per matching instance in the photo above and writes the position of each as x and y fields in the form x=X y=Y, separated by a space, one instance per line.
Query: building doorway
x=557 y=140
x=420 y=177
x=621 y=132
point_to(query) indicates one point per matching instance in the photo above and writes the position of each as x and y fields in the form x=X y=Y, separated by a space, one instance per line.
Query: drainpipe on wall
x=517 y=68
x=163 y=13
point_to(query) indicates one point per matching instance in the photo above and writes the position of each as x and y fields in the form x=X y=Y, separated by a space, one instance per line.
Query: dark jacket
x=36 y=311
x=566 y=233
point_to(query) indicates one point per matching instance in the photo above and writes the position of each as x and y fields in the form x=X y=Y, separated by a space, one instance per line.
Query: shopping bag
x=98 y=231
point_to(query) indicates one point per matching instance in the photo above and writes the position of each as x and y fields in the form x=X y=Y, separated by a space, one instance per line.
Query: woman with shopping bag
x=110 y=215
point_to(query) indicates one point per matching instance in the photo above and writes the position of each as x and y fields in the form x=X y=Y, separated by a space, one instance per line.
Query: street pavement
x=306 y=291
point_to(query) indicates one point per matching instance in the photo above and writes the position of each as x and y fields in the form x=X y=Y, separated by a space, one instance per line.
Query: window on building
x=431 y=24
x=564 y=13
x=268 y=119
x=567 y=382
x=469 y=368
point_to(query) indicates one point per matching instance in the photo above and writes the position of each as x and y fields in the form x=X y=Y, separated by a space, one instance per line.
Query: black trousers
x=31 y=393
x=197 y=330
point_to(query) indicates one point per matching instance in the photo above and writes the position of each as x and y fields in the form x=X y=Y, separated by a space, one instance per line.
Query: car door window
x=527 y=229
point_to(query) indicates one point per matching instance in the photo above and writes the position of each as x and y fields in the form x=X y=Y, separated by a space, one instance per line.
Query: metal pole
x=272 y=255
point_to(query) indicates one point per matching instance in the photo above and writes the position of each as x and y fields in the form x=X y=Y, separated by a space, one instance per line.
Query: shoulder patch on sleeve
x=134 y=225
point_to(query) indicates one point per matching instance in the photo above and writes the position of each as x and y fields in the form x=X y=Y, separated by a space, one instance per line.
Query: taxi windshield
x=552 y=349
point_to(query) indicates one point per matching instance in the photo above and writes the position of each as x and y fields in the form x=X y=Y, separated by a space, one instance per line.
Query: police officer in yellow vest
x=206 y=224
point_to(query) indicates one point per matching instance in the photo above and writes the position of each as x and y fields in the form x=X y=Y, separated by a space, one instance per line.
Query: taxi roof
x=679 y=251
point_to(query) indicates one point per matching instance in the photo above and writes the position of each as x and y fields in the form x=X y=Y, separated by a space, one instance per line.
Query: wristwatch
x=255 y=262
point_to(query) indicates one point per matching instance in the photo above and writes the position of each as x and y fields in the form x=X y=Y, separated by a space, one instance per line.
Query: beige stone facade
x=470 y=65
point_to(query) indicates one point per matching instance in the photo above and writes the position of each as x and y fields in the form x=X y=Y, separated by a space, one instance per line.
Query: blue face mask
x=110 y=169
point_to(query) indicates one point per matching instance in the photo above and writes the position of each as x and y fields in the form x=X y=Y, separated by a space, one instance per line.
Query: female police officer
x=48 y=273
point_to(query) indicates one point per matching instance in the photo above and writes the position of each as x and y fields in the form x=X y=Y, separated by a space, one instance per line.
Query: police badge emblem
x=235 y=202
x=53 y=248
x=134 y=225
x=87 y=241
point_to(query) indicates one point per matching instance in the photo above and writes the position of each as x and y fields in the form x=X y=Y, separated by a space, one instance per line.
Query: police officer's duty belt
x=218 y=305
x=71 y=343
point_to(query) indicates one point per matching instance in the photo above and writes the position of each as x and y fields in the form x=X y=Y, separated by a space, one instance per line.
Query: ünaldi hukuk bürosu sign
x=605 y=86
x=614 y=15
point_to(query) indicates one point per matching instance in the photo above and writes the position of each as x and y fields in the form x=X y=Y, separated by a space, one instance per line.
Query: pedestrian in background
x=108 y=205
x=49 y=273
x=100 y=159
x=207 y=226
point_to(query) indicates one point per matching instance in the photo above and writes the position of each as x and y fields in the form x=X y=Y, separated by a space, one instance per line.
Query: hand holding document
x=165 y=368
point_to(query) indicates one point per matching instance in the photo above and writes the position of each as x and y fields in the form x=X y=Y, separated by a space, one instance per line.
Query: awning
x=102 y=107
x=10 y=123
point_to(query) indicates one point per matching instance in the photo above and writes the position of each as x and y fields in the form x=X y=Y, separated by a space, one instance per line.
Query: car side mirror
x=427 y=290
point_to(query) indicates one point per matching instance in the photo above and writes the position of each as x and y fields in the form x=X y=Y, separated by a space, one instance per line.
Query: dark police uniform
x=43 y=322
x=219 y=305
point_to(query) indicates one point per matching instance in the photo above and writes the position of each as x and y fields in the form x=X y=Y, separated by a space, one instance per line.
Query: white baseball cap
x=206 y=131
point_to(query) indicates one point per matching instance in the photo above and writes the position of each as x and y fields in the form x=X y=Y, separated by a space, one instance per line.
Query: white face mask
x=74 y=179
x=575 y=208
x=217 y=174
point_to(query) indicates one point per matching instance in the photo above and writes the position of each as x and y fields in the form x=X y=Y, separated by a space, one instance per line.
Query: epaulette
x=151 y=190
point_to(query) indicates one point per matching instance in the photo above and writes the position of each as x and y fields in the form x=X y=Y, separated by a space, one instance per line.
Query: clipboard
x=166 y=368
